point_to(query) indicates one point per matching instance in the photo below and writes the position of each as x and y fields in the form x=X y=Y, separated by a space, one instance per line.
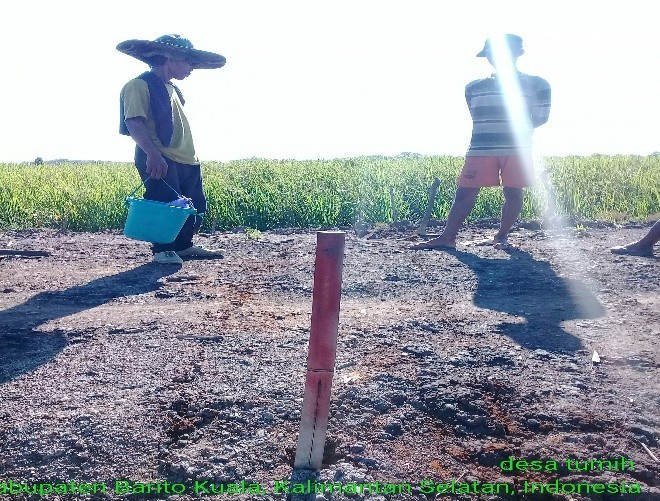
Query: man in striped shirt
x=505 y=109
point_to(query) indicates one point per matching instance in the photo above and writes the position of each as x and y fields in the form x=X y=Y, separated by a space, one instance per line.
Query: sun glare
x=520 y=117
x=507 y=75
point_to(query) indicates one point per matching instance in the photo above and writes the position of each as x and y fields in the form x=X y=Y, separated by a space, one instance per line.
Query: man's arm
x=541 y=104
x=156 y=164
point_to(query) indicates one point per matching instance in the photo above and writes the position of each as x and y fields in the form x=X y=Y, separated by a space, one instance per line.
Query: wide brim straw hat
x=174 y=47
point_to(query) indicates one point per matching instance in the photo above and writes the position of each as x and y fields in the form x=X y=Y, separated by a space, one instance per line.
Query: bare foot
x=497 y=242
x=435 y=243
x=502 y=243
x=631 y=250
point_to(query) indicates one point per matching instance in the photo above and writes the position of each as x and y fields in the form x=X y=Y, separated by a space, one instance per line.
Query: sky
x=342 y=78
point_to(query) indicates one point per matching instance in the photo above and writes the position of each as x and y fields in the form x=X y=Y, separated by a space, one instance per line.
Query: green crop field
x=266 y=194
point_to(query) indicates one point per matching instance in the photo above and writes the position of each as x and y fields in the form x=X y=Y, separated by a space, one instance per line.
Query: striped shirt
x=492 y=128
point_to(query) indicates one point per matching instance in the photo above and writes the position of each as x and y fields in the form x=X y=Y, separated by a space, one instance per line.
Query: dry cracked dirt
x=448 y=363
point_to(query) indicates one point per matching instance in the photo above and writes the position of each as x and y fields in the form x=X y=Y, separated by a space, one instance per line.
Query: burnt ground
x=447 y=362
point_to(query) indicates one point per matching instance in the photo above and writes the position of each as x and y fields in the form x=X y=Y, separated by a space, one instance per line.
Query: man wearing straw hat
x=505 y=110
x=152 y=114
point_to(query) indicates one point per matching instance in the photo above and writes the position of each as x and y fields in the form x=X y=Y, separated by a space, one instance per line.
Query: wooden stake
x=322 y=349
x=648 y=451
x=429 y=207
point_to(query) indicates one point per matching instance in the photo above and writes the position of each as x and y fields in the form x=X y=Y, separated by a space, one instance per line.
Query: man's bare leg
x=460 y=210
x=644 y=246
x=513 y=201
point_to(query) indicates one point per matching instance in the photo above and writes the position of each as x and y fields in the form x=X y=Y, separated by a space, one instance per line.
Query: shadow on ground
x=23 y=348
x=522 y=286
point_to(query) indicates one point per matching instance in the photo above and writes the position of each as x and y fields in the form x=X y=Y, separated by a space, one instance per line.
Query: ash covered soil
x=447 y=362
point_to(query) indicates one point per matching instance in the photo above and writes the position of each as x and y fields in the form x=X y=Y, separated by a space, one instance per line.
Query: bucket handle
x=143 y=183
x=196 y=215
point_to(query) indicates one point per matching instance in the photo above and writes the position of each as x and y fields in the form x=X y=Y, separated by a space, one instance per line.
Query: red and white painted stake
x=322 y=349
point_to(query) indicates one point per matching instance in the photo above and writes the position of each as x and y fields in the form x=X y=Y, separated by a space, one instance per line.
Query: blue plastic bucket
x=152 y=221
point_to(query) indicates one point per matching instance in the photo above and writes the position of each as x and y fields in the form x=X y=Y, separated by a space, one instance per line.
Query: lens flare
x=521 y=115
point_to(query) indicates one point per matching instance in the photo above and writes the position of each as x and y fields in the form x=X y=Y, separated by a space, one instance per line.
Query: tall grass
x=265 y=194
x=607 y=187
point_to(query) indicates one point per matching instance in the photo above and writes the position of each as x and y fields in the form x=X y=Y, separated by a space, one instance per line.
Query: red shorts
x=515 y=171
